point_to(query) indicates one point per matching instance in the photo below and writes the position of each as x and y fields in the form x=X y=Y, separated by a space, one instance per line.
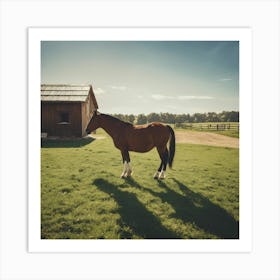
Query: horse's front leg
x=127 y=170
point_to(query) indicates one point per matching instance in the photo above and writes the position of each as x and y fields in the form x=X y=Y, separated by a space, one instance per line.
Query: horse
x=137 y=138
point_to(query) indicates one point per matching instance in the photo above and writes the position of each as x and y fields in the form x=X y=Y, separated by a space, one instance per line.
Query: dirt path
x=197 y=137
x=206 y=138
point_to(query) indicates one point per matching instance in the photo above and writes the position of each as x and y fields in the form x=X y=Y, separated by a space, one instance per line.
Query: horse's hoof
x=156 y=175
x=123 y=175
x=161 y=175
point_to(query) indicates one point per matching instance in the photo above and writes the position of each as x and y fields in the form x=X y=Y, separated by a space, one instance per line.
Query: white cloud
x=181 y=97
x=192 y=97
x=161 y=97
x=99 y=91
x=122 y=88
x=225 y=80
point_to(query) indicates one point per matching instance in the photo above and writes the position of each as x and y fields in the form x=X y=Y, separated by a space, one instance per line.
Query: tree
x=131 y=118
x=167 y=118
x=225 y=116
x=198 y=117
x=141 y=119
x=212 y=117
x=179 y=118
x=153 y=117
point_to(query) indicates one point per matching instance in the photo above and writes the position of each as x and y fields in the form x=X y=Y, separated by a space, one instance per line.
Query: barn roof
x=68 y=93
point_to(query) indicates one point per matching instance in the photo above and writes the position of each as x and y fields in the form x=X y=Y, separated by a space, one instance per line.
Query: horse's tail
x=171 y=146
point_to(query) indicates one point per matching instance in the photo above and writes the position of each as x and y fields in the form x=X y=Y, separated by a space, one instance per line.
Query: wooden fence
x=209 y=126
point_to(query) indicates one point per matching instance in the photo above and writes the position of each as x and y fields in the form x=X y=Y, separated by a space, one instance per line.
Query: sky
x=133 y=77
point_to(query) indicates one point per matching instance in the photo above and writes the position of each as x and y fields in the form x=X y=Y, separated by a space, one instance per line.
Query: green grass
x=82 y=196
x=230 y=133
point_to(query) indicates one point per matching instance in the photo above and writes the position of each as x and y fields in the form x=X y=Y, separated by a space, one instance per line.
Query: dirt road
x=206 y=138
x=197 y=137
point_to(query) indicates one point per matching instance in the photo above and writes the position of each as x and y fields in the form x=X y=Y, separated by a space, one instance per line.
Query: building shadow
x=65 y=142
x=191 y=207
x=134 y=214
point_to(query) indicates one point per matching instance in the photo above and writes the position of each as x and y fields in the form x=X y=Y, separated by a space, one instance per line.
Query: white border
x=243 y=35
x=262 y=262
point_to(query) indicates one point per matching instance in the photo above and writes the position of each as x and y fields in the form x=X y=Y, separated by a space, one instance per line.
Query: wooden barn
x=66 y=109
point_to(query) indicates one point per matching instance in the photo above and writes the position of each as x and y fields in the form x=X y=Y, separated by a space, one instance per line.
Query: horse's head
x=94 y=122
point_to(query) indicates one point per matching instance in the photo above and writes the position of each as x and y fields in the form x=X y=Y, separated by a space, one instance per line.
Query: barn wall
x=52 y=119
x=94 y=105
x=84 y=117
x=88 y=108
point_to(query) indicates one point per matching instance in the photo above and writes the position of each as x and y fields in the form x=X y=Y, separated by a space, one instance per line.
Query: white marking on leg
x=156 y=175
x=125 y=169
x=129 y=170
x=161 y=175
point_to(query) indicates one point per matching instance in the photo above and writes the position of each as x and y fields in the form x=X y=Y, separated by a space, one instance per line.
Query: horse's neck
x=109 y=126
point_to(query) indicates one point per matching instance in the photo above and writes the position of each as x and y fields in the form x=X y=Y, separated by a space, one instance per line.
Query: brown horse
x=137 y=138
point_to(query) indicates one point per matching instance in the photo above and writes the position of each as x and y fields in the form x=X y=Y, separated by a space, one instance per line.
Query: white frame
x=262 y=16
x=243 y=35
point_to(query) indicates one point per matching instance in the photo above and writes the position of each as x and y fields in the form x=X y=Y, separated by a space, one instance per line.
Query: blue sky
x=153 y=76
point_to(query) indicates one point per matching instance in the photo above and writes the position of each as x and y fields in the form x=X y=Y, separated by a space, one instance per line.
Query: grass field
x=82 y=196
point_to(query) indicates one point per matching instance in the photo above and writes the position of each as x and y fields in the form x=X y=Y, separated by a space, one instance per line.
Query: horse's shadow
x=134 y=215
x=191 y=207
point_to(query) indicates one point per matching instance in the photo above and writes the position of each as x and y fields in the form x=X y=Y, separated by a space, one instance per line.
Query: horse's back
x=142 y=138
x=152 y=125
x=160 y=133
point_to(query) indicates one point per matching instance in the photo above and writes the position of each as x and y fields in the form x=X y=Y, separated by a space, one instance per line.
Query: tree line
x=225 y=116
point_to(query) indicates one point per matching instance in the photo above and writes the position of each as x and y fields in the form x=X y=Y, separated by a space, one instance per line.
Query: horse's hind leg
x=127 y=170
x=165 y=160
x=156 y=175
x=163 y=153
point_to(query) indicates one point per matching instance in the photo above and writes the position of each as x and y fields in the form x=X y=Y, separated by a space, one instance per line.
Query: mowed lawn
x=82 y=196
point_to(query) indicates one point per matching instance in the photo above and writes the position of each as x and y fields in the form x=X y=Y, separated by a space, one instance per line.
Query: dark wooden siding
x=88 y=108
x=54 y=116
